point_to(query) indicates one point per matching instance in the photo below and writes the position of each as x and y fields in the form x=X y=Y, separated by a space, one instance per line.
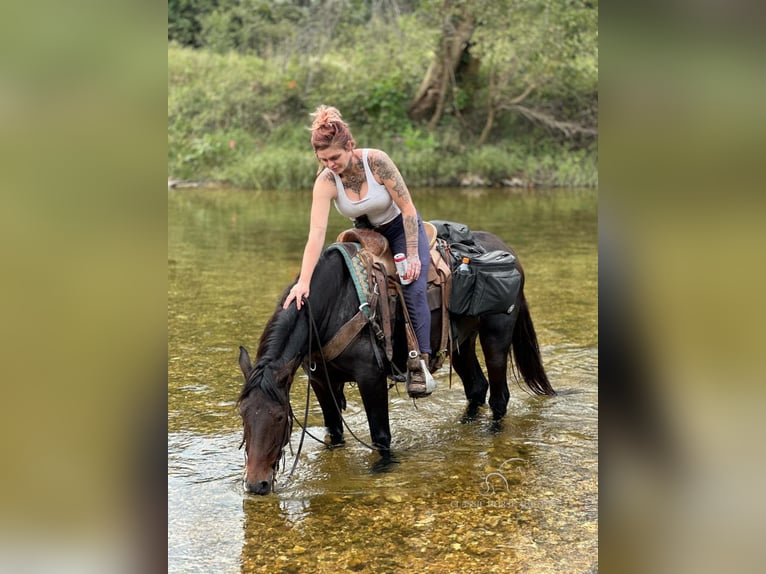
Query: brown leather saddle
x=373 y=264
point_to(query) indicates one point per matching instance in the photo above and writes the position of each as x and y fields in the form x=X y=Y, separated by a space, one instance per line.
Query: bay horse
x=264 y=402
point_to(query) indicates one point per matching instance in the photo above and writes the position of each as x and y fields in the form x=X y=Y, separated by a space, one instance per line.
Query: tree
x=185 y=20
x=535 y=58
x=547 y=56
x=452 y=53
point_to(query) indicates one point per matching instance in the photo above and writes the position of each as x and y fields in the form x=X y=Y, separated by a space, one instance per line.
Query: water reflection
x=294 y=510
x=530 y=480
x=465 y=495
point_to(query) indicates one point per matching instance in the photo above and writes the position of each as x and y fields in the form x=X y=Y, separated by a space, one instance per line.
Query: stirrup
x=420 y=383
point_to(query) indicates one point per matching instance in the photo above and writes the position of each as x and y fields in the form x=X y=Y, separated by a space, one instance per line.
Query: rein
x=314 y=332
x=304 y=430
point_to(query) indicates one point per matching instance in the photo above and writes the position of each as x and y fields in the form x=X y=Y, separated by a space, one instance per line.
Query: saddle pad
x=357 y=269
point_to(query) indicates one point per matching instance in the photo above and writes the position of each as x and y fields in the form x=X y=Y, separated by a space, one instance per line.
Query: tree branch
x=567 y=128
x=492 y=109
x=521 y=97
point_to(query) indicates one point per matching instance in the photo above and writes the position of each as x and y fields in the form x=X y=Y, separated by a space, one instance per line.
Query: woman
x=366 y=185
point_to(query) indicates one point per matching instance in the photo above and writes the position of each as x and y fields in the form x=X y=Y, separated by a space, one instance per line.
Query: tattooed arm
x=386 y=173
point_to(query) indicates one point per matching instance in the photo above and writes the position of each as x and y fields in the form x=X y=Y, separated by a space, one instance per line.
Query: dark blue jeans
x=415 y=292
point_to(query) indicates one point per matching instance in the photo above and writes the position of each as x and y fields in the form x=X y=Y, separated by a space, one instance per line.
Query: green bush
x=491 y=164
x=421 y=168
x=243 y=120
x=274 y=169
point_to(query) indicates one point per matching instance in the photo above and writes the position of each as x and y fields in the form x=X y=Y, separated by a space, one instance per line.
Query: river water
x=519 y=496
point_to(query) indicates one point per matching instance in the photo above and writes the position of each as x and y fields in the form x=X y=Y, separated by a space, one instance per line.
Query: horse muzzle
x=258 y=487
x=257 y=480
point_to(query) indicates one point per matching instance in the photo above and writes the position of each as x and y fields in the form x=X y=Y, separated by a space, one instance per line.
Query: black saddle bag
x=453 y=232
x=490 y=285
x=492 y=281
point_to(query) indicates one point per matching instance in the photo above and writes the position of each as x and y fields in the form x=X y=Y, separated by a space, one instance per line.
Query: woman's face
x=336 y=159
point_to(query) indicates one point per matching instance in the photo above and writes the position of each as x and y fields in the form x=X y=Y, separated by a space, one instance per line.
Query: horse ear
x=244 y=362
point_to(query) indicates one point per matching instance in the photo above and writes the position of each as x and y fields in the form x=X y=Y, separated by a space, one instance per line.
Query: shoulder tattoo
x=385 y=169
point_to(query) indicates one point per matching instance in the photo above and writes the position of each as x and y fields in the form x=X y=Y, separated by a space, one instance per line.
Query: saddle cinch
x=372 y=268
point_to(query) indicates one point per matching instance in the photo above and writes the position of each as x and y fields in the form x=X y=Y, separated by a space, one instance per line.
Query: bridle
x=284 y=438
x=313 y=336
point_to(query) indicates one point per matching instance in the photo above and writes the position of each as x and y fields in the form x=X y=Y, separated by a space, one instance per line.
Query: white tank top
x=377 y=205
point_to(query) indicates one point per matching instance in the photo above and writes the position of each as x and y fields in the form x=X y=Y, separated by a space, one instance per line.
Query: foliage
x=542 y=55
x=275 y=168
x=418 y=139
x=250 y=71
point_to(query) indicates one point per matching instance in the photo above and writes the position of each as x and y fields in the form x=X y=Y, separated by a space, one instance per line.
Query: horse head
x=264 y=406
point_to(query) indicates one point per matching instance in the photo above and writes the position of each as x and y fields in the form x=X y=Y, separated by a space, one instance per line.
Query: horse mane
x=268 y=359
x=281 y=346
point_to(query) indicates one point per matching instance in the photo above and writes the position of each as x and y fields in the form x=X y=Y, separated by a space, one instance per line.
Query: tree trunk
x=491 y=111
x=457 y=29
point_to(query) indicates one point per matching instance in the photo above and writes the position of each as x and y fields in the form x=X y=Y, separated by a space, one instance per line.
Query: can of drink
x=401 y=268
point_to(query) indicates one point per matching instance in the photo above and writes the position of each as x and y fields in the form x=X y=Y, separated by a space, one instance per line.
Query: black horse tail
x=526 y=352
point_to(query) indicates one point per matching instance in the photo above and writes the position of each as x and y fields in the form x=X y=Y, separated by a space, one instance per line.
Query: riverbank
x=226 y=127
x=287 y=169
x=468 y=181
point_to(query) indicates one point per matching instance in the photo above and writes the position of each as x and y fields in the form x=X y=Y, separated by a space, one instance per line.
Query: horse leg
x=374 y=393
x=468 y=369
x=327 y=397
x=495 y=334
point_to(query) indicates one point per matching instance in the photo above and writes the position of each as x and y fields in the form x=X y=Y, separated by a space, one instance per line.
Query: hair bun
x=325 y=115
x=329 y=130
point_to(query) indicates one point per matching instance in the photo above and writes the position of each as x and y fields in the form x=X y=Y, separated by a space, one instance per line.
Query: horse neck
x=284 y=341
x=289 y=333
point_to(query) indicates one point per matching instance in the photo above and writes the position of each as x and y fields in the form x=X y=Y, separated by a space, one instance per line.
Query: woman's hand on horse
x=297 y=293
x=413 y=268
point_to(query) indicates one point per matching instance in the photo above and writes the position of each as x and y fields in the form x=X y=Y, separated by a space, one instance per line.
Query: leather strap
x=383 y=306
x=336 y=345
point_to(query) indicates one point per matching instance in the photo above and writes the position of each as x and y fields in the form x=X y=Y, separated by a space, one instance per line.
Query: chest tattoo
x=354 y=181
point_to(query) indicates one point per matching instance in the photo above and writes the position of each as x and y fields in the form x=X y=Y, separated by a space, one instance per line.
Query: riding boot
x=420 y=383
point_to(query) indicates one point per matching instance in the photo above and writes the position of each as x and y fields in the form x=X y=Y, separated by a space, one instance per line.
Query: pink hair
x=329 y=130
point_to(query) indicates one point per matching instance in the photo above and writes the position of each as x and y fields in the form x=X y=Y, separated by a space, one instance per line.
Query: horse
x=289 y=335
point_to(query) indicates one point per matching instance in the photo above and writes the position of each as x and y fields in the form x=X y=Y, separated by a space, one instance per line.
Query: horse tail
x=526 y=352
